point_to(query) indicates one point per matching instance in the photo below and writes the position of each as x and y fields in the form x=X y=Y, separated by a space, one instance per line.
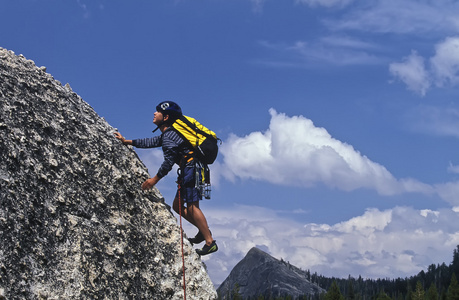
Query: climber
x=176 y=152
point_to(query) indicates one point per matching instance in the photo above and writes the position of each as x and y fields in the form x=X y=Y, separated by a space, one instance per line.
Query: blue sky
x=339 y=118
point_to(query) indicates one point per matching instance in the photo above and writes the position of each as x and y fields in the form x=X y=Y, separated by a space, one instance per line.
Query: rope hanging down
x=181 y=238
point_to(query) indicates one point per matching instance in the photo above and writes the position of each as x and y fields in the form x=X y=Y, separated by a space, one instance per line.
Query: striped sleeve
x=171 y=143
x=148 y=142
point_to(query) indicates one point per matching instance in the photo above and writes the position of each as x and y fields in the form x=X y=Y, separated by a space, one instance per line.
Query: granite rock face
x=260 y=274
x=74 y=223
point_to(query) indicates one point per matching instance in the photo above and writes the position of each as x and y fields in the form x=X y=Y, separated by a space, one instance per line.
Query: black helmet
x=170 y=108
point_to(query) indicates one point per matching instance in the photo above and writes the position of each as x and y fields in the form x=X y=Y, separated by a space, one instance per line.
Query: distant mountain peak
x=258 y=273
x=258 y=256
x=254 y=251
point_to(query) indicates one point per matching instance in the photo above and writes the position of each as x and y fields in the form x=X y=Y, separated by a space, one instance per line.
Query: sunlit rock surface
x=74 y=223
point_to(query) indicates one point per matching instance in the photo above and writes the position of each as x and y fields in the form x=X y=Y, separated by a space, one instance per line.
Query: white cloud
x=330 y=50
x=394 y=16
x=443 y=69
x=325 y=3
x=372 y=220
x=412 y=72
x=396 y=242
x=294 y=152
x=453 y=168
x=445 y=62
x=449 y=192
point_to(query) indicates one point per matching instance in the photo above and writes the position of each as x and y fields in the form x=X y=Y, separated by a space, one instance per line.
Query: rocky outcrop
x=74 y=223
x=260 y=274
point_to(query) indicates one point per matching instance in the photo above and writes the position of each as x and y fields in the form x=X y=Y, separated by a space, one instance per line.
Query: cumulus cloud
x=294 y=152
x=392 y=243
x=443 y=68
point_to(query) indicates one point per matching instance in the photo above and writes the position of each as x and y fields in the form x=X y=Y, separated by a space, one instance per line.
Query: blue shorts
x=188 y=191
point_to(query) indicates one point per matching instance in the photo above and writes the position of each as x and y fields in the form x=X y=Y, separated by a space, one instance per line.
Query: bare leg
x=194 y=215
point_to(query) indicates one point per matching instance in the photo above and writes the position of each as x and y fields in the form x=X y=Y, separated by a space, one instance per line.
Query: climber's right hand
x=122 y=139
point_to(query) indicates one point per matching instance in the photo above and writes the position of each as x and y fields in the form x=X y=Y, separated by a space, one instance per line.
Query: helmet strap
x=156 y=129
x=160 y=125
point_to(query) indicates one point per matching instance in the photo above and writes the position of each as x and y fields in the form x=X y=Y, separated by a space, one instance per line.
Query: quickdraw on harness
x=202 y=180
x=202 y=174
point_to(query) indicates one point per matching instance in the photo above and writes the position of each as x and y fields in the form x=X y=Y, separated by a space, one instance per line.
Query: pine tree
x=409 y=292
x=453 y=290
x=383 y=296
x=350 y=295
x=455 y=264
x=443 y=295
x=334 y=293
x=432 y=293
x=419 y=292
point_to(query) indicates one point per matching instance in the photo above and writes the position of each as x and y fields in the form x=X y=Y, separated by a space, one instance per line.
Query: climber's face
x=159 y=118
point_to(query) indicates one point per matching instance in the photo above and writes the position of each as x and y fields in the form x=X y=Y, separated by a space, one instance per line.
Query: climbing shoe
x=208 y=249
x=199 y=238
